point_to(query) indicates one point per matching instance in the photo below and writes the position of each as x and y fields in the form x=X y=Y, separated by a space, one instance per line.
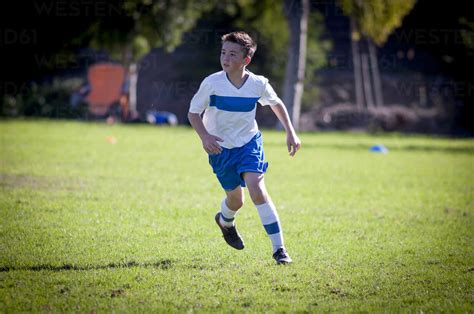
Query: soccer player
x=230 y=135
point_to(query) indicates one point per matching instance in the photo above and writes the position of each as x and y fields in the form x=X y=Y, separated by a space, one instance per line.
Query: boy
x=230 y=136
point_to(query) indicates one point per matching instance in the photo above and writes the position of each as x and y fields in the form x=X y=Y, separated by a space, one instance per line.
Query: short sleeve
x=201 y=99
x=269 y=97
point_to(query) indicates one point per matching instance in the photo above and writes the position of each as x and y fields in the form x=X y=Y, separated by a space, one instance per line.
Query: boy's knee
x=235 y=203
x=259 y=199
x=258 y=195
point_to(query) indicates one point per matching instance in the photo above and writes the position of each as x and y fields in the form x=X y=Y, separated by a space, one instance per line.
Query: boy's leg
x=268 y=214
x=230 y=205
x=225 y=218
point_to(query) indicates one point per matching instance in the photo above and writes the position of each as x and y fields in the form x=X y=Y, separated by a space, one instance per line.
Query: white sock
x=227 y=215
x=271 y=223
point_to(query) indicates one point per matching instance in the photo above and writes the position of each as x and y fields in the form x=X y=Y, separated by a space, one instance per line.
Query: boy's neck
x=237 y=78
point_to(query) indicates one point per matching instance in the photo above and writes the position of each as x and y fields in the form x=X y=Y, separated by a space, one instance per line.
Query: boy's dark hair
x=243 y=39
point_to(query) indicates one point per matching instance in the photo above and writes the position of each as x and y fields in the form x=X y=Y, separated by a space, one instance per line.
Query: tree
x=355 y=37
x=467 y=35
x=374 y=21
x=144 y=24
x=141 y=25
x=297 y=13
x=268 y=21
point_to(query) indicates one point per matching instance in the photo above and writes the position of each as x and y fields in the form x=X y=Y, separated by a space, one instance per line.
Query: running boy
x=230 y=136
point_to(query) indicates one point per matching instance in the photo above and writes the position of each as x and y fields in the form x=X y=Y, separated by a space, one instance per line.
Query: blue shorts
x=230 y=164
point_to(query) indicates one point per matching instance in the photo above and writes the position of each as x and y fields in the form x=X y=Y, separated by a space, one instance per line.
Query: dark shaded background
x=31 y=39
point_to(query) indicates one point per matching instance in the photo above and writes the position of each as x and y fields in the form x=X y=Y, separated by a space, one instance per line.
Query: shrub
x=51 y=100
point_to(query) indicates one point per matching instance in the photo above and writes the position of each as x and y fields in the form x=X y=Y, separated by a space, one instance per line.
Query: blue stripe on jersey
x=272 y=228
x=234 y=104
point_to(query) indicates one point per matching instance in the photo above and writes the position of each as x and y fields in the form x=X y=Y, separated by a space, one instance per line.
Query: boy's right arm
x=209 y=141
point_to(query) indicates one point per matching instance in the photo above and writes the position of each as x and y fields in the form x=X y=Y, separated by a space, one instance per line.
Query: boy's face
x=233 y=57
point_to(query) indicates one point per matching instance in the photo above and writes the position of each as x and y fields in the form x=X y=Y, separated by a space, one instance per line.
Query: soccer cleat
x=231 y=235
x=282 y=257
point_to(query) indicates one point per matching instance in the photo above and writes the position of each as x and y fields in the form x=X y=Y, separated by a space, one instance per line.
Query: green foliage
x=162 y=22
x=467 y=34
x=109 y=36
x=316 y=58
x=144 y=24
x=266 y=21
x=89 y=226
x=377 y=18
x=49 y=100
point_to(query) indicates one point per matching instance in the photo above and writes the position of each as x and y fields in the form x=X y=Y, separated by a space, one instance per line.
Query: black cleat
x=282 y=257
x=231 y=235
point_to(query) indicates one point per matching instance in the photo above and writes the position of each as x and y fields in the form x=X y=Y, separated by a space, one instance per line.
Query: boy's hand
x=210 y=145
x=293 y=143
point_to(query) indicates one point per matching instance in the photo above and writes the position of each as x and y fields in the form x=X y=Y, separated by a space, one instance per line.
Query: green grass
x=128 y=227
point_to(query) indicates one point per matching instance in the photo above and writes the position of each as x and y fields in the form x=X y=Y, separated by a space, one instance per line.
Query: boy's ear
x=247 y=60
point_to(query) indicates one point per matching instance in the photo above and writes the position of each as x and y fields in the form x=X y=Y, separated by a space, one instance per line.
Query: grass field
x=92 y=226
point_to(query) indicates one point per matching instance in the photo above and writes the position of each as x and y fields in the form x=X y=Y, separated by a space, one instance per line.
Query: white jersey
x=229 y=112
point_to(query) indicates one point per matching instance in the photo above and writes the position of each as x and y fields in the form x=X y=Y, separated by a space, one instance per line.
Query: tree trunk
x=132 y=77
x=374 y=66
x=132 y=92
x=297 y=16
x=369 y=99
x=355 y=37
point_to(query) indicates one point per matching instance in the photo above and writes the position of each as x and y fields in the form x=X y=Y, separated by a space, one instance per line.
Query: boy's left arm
x=292 y=140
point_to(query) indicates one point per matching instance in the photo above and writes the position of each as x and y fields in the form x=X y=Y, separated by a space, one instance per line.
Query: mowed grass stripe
x=88 y=225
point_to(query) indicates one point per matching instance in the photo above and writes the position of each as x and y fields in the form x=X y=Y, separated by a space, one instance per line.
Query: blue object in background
x=379 y=149
x=161 y=117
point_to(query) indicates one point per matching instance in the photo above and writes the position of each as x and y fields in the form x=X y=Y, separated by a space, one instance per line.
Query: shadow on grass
x=162 y=264
x=466 y=149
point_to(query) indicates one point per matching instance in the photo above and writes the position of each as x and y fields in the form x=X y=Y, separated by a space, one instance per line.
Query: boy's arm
x=209 y=142
x=292 y=140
